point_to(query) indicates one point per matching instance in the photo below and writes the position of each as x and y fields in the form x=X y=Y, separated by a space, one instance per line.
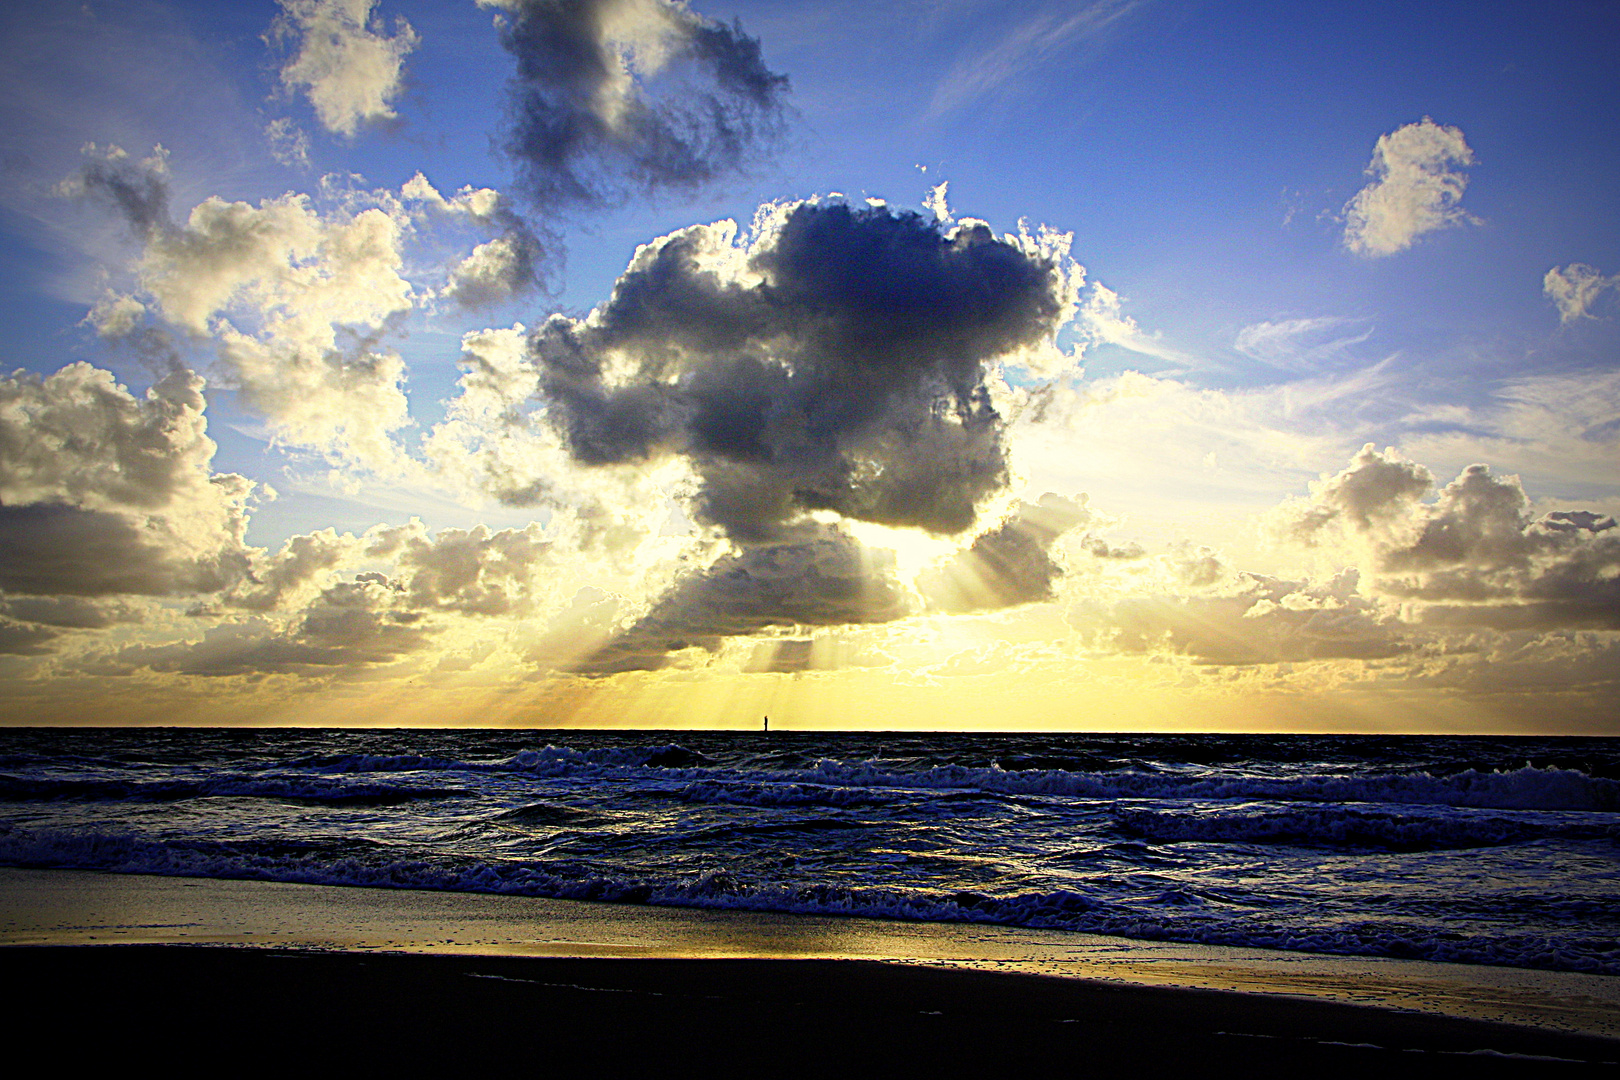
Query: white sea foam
x=1170 y=916
x=1525 y=788
x=1353 y=826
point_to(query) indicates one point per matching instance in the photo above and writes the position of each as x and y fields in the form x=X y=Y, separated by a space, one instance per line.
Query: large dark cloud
x=839 y=364
x=616 y=96
x=836 y=365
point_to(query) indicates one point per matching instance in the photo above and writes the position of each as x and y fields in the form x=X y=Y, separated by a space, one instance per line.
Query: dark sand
x=201 y=975
x=222 y=1010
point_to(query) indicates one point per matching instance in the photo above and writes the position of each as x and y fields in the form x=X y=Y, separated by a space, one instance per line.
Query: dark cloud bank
x=836 y=369
x=841 y=368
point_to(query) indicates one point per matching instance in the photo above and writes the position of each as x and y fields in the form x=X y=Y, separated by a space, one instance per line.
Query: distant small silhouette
x=767 y=723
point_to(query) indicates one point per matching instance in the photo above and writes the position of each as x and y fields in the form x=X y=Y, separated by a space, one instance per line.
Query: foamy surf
x=1484 y=851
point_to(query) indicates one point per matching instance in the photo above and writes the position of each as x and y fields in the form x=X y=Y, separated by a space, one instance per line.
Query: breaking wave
x=1485 y=851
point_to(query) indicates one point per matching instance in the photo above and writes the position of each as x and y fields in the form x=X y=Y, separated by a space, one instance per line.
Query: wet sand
x=403 y=978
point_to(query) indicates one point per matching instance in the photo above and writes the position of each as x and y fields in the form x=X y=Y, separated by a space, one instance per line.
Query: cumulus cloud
x=293 y=298
x=613 y=97
x=138 y=189
x=827 y=579
x=104 y=493
x=116 y=316
x=1575 y=288
x=327 y=602
x=497 y=270
x=839 y=361
x=489 y=441
x=106 y=496
x=471 y=572
x=505 y=266
x=290 y=576
x=345 y=61
x=313 y=612
x=1251 y=619
x=1418 y=178
x=1011 y=564
x=350 y=625
x=1476 y=555
x=1375 y=493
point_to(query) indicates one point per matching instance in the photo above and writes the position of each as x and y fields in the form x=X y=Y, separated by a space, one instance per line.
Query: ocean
x=1477 y=850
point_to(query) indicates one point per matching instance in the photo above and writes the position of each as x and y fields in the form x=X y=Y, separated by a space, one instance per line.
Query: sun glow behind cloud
x=354 y=448
x=913 y=550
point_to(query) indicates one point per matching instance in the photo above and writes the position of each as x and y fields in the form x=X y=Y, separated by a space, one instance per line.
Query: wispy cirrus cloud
x=1301 y=344
x=1102 y=321
x=1027 y=44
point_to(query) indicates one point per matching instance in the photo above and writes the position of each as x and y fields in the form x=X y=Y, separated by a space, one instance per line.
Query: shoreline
x=50 y=909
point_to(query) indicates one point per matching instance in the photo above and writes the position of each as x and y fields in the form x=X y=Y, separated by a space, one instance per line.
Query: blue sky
x=1288 y=231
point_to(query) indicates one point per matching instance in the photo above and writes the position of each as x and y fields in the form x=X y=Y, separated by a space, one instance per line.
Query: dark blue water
x=1482 y=850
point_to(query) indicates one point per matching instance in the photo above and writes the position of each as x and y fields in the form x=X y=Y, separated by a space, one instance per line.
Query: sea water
x=1477 y=850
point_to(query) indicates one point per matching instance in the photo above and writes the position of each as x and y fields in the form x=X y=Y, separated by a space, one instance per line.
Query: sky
x=936 y=364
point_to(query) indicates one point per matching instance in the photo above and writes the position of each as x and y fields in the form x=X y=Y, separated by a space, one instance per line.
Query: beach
x=411 y=977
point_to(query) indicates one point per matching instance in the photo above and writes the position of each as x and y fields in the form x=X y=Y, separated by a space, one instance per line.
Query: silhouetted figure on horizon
x=767 y=723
